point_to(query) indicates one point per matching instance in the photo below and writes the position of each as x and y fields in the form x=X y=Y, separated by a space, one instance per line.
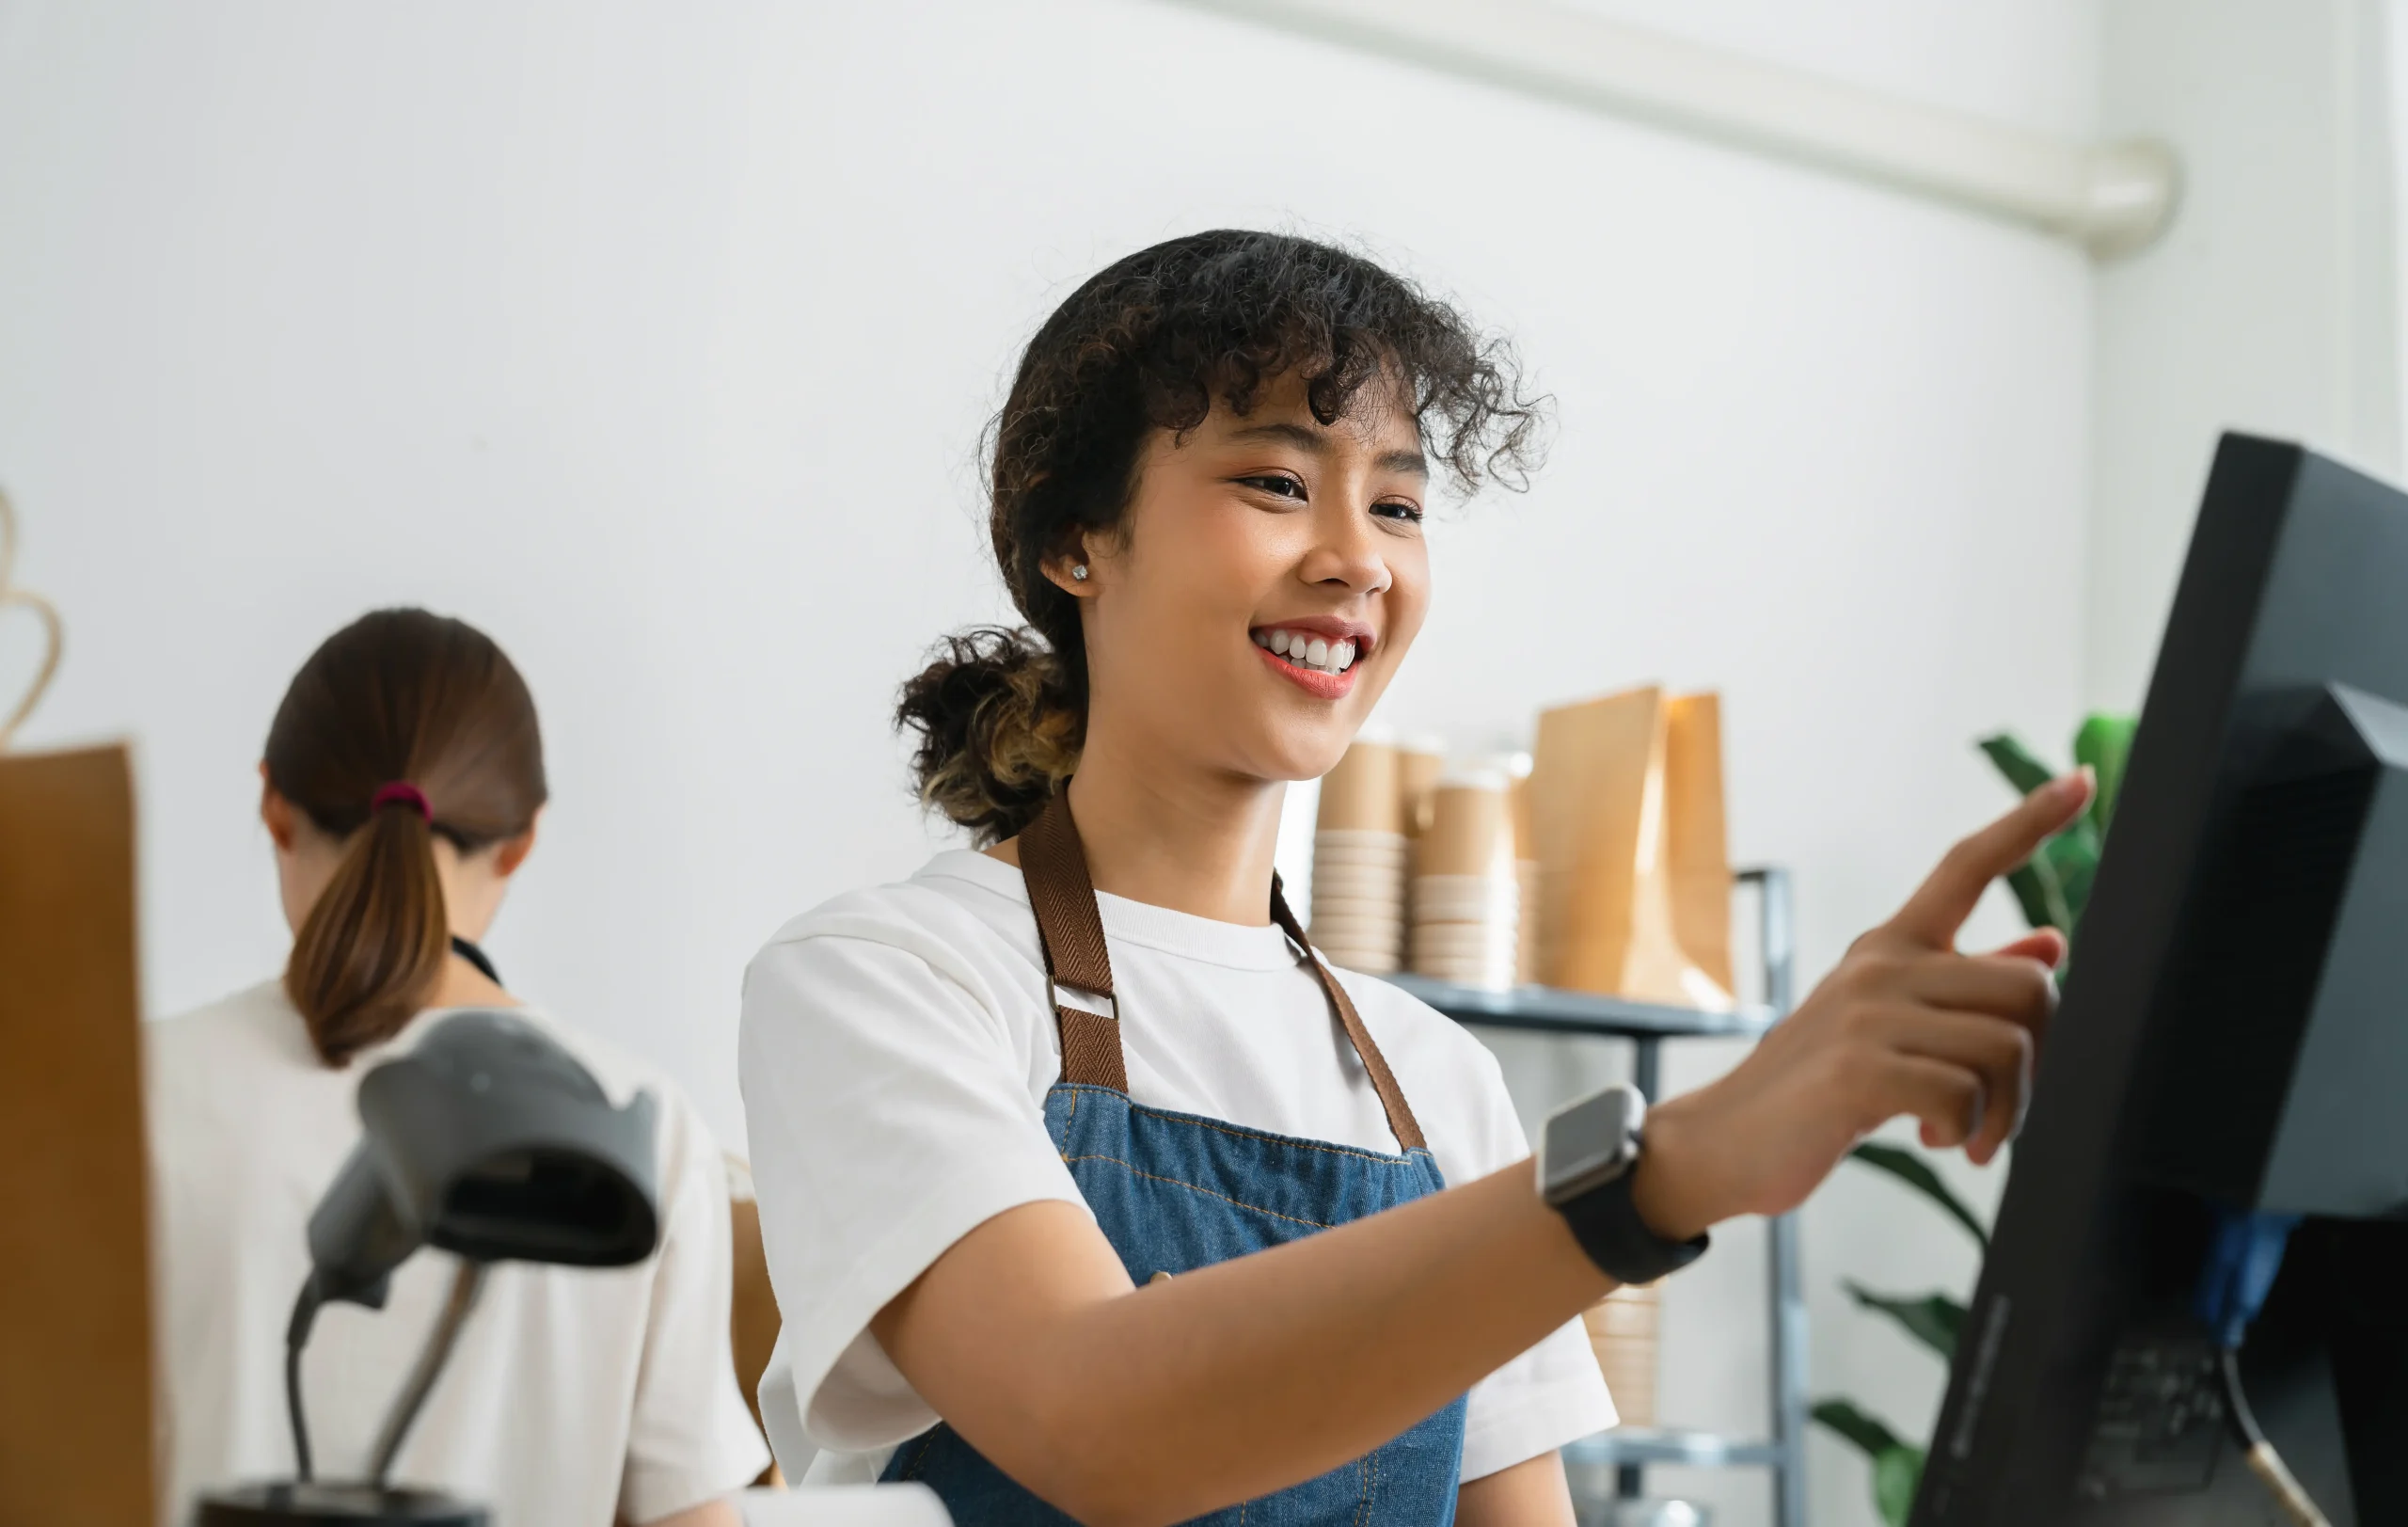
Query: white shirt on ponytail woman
x=403 y=777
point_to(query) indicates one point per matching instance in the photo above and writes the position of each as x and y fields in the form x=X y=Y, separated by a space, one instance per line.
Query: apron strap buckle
x=1078 y=968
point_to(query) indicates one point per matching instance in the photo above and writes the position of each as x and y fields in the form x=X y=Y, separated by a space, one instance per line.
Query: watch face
x=1584 y=1142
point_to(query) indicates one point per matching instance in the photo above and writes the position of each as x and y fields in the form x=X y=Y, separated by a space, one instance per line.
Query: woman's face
x=1268 y=579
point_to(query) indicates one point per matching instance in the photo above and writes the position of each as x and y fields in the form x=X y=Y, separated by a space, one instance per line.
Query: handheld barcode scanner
x=488 y=1141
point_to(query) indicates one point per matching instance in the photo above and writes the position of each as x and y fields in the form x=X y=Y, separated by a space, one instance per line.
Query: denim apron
x=1176 y=1191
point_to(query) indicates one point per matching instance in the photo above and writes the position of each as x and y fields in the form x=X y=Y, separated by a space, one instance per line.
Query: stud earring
x=1079 y=572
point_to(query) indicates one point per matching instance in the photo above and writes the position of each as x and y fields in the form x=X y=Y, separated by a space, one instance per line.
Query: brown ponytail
x=397 y=697
x=1000 y=726
x=1151 y=343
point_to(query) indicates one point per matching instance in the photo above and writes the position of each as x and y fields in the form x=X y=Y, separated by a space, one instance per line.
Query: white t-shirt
x=574 y=1396
x=897 y=1047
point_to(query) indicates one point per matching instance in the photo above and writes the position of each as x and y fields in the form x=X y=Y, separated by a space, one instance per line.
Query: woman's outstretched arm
x=1533 y=1493
x=1128 y=1406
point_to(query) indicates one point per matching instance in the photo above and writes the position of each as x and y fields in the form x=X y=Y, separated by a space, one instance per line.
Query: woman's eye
x=1397 y=509
x=1279 y=486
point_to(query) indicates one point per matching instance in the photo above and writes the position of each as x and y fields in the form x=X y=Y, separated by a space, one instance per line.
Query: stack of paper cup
x=1419 y=762
x=1526 y=952
x=1466 y=906
x=1358 y=863
x=1623 y=1332
x=1526 y=869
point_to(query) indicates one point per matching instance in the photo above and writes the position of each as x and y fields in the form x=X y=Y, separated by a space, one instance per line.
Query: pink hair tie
x=401 y=792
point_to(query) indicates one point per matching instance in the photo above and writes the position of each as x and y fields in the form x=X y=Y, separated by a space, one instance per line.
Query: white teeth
x=1308 y=651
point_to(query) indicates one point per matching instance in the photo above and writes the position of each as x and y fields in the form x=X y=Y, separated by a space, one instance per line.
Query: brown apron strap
x=1071 y=932
x=1401 y=1124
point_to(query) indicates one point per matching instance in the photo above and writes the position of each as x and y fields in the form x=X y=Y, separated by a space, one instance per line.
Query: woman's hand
x=1904 y=1025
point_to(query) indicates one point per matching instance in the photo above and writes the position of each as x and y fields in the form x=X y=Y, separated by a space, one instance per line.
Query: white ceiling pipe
x=2112 y=198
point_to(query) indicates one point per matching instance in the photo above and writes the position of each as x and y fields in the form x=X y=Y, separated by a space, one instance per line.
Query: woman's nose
x=1348 y=552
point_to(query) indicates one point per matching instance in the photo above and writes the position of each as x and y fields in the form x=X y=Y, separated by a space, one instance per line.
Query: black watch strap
x=1606 y=1224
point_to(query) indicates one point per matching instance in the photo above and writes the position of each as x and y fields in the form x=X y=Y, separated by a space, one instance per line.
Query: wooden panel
x=753 y=1310
x=75 y=1411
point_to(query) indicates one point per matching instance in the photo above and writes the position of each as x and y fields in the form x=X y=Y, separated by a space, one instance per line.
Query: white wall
x=655 y=340
x=2272 y=304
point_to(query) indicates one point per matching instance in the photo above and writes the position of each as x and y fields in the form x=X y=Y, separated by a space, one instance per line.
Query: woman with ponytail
x=403 y=777
x=1090 y=1192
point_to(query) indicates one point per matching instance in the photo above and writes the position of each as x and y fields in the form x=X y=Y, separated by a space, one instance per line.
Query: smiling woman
x=1323 y=364
x=1090 y=1191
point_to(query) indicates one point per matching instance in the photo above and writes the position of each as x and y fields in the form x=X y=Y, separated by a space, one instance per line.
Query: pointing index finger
x=1940 y=905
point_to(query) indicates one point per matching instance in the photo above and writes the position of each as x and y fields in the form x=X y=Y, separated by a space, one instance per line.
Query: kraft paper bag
x=75 y=1408
x=1698 y=854
x=1608 y=809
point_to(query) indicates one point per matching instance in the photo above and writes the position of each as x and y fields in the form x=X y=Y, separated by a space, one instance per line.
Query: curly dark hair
x=1149 y=344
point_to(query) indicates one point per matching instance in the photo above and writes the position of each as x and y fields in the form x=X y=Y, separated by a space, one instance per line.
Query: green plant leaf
x=1896 y=1475
x=1916 y=1174
x=1935 y=1319
x=2042 y=900
x=2052 y=886
x=2013 y=760
x=2071 y=861
x=2105 y=743
x=1867 y=1432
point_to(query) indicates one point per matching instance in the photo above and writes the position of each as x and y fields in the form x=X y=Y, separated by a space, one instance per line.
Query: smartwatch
x=1586 y=1152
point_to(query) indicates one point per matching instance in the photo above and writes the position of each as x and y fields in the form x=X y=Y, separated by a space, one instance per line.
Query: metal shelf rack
x=1629 y=1451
